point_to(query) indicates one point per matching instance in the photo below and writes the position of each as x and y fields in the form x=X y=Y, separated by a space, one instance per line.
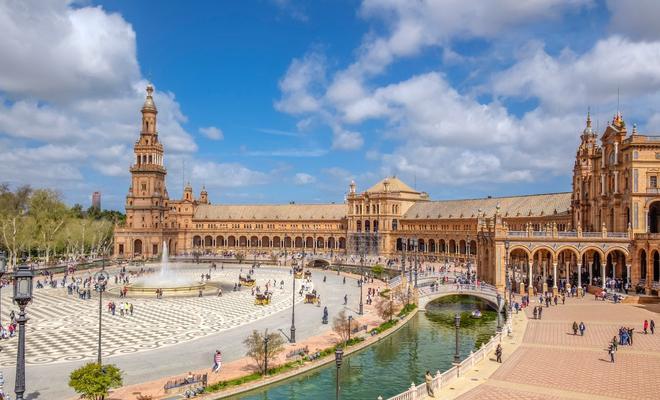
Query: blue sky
x=284 y=100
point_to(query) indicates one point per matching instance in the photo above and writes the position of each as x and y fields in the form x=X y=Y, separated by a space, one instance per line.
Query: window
x=654 y=182
x=143 y=186
x=395 y=224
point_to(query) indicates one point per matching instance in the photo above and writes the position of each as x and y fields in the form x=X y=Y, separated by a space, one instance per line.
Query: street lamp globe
x=23 y=284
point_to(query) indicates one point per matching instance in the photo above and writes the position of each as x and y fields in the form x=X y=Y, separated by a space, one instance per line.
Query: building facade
x=608 y=227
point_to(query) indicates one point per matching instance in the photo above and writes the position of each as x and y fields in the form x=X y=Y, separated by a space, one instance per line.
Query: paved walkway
x=63 y=317
x=552 y=363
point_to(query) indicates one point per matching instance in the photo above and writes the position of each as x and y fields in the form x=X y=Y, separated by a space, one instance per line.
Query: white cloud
x=302 y=178
x=572 y=81
x=224 y=175
x=292 y=9
x=71 y=93
x=300 y=83
x=637 y=19
x=212 y=133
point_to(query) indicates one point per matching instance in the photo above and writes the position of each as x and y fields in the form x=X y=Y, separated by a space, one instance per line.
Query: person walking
x=582 y=328
x=646 y=326
x=611 y=350
x=540 y=312
x=652 y=327
x=428 y=378
x=575 y=328
x=498 y=353
x=217 y=361
x=536 y=313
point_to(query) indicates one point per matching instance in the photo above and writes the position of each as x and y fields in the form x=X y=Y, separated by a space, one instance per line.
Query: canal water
x=427 y=342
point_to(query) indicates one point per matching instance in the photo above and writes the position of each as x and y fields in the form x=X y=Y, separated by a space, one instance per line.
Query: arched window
x=395 y=224
x=367 y=228
x=358 y=226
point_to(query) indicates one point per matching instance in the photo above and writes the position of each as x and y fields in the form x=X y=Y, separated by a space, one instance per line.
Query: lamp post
x=350 y=320
x=292 y=338
x=3 y=271
x=101 y=278
x=266 y=352
x=339 y=353
x=467 y=248
x=499 y=307
x=361 y=310
x=22 y=296
x=509 y=283
x=457 y=325
x=285 y=253
x=416 y=264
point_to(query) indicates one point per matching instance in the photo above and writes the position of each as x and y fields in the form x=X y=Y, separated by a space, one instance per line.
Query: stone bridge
x=483 y=291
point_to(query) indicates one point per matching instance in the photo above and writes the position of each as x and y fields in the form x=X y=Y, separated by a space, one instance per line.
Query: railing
x=565 y=234
x=441 y=380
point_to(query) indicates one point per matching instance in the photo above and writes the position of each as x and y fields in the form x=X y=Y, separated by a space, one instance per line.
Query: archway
x=642 y=265
x=287 y=242
x=242 y=241
x=332 y=243
x=254 y=241
x=265 y=241
x=320 y=243
x=137 y=247
x=421 y=245
x=276 y=242
x=197 y=241
x=519 y=269
x=342 y=243
x=656 y=266
x=431 y=245
x=654 y=217
x=443 y=246
x=452 y=246
x=231 y=241
x=473 y=247
x=299 y=242
x=309 y=242
x=208 y=241
x=220 y=241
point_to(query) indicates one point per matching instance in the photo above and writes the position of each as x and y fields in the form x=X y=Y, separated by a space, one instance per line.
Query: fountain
x=171 y=282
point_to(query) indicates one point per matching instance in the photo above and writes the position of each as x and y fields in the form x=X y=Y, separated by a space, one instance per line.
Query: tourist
x=217 y=361
x=582 y=328
x=428 y=378
x=652 y=326
x=540 y=312
x=575 y=328
x=345 y=299
x=130 y=308
x=563 y=298
x=498 y=353
x=646 y=326
x=611 y=351
x=536 y=313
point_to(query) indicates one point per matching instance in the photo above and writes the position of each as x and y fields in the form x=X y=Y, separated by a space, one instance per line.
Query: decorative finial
x=634 y=132
x=150 y=89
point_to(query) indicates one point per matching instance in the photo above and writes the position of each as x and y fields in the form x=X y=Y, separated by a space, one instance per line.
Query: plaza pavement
x=178 y=346
x=552 y=363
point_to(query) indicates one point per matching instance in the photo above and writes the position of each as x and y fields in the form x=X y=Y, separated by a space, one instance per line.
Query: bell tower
x=147 y=199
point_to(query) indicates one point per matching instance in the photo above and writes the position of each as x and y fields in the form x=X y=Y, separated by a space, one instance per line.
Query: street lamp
x=350 y=320
x=292 y=338
x=509 y=283
x=101 y=278
x=499 y=307
x=339 y=353
x=457 y=325
x=416 y=264
x=22 y=296
x=3 y=271
x=266 y=352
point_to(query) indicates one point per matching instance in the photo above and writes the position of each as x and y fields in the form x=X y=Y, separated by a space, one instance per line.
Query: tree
x=49 y=214
x=93 y=381
x=340 y=326
x=240 y=256
x=256 y=348
x=386 y=308
x=14 y=226
x=377 y=270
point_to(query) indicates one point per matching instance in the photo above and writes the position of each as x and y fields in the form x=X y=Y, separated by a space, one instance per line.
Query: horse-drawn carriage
x=246 y=281
x=298 y=272
x=312 y=298
x=262 y=299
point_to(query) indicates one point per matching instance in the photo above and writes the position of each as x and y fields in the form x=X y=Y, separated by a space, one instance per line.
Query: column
x=602 y=274
x=530 y=288
x=567 y=265
x=591 y=267
x=554 y=277
x=579 y=280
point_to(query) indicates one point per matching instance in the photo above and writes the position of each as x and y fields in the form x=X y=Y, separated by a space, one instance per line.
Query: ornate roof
x=393 y=184
x=273 y=212
x=517 y=206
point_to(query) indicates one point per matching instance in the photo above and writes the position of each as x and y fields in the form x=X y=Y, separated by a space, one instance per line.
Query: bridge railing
x=441 y=380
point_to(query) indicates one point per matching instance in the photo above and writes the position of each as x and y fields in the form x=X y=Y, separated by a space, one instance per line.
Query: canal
x=387 y=368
